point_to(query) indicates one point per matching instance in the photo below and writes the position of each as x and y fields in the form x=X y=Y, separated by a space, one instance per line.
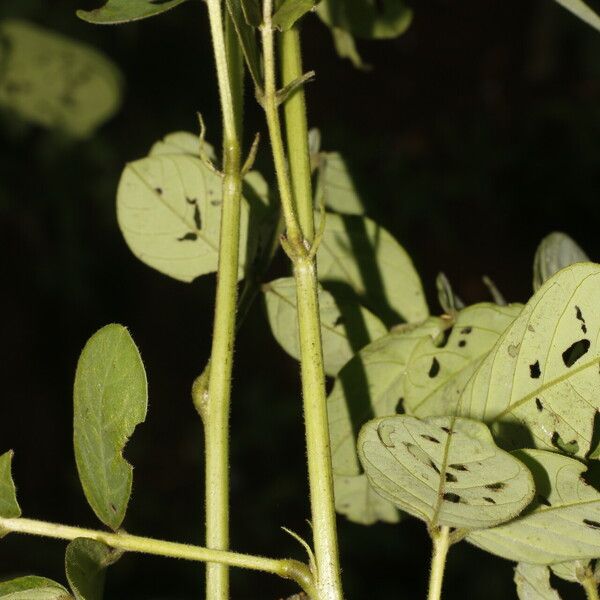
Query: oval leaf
x=33 y=588
x=335 y=185
x=345 y=328
x=543 y=372
x=124 y=11
x=9 y=507
x=562 y=525
x=583 y=11
x=444 y=470
x=555 y=252
x=56 y=82
x=110 y=399
x=358 y=255
x=86 y=561
x=533 y=583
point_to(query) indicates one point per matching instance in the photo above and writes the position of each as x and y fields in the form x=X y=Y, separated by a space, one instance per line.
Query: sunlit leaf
x=123 y=11
x=290 y=11
x=563 y=523
x=542 y=375
x=555 y=252
x=444 y=470
x=440 y=368
x=86 y=561
x=110 y=400
x=358 y=255
x=367 y=18
x=55 y=82
x=345 y=328
x=583 y=11
x=33 y=588
x=335 y=185
x=533 y=583
x=572 y=570
x=9 y=507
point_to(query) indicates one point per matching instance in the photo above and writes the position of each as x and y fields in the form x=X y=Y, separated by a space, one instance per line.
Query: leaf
x=555 y=252
x=439 y=369
x=367 y=18
x=370 y=385
x=583 y=11
x=115 y=12
x=33 y=588
x=345 y=46
x=182 y=142
x=573 y=570
x=533 y=583
x=359 y=256
x=110 y=399
x=563 y=523
x=448 y=300
x=542 y=375
x=444 y=470
x=56 y=82
x=9 y=507
x=252 y=10
x=86 y=561
x=169 y=211
x=345 y=328
x=335 y=185
x=290 y=11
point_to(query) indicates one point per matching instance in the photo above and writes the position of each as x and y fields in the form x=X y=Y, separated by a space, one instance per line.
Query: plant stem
x=591 y=587
x=441 y=544
x=328 y=583
x=217 y=406
x=297 y=131
x=287 y=568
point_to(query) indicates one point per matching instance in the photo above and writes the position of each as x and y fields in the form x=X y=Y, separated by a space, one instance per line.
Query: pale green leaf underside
x=543 y=372
x=572 y=570
x=345 y=328
x=33 y=588
x=358 y=254
x=110 y=400
x=533 y=583
x=290 y=11
x=583 y=11
x=123 y=11
x=182 y=142
x=439 y=369
x=85 y=564
x=335 y=185
x=9 y=507
x=444 y=470
x=562 y=525
x=555 y=252
x=367 y=18
x=55 y=82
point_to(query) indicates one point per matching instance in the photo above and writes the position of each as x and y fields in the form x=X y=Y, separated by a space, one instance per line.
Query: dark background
x=476 y=133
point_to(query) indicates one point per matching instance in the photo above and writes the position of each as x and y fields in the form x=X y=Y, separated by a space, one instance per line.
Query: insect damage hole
x=496 y=486
x=592 y=524
x=188 y=237
x=534 y=370
x=574 y=352
x=435 y=368
x=579 y=317
x=430 y=438
x=458 y=467
x=539 y=404
x=452 y=497
x=450 y=478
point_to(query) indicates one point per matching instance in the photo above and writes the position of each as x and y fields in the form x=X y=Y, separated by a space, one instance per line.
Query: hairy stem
x=217 y=405
x=591 y=587
x=287 y=568
x=441 y=544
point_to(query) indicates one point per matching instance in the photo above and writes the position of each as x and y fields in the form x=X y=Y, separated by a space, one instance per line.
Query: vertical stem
x=216 y=408
x=441 y=544
x=297 y=131
x=591 y=587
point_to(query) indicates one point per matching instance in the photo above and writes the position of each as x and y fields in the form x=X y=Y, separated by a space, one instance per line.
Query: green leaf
x=9 y=507
x=542 y=375
x=33 y=588
x=573 y=570
x=439 y=369
x=335 y=185
x=359 y=256
x=345 y=328
x=533 y=583
x=182 y=142
x=115 y=12
x=290 y=11
x=370 y=385
x=555 y=252
x=169 y=211
x=583 y=11
x=252 y=10
x=563 y=523
x=345 y=46
x=56 y=82
x=367 y=18
x=110 y=399
x=86 y=561
x=448 y=300
x=444 y=470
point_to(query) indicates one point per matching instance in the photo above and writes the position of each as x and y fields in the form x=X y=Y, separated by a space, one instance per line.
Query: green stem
x=216 y=407
x=591 y=587
x=297 y=131
x=441 y=544
x=287 y=568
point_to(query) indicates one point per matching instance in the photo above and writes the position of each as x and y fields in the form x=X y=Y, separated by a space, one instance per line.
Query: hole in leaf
x=400 y=406
x=500 y=485
x=569 y=447
x=434 y=467
x=543 y=500
x=579 y=316
x=443 y=338
x=534 y=370
x=450 y=478
x=430 y=438
x=592 y=524
x=539 y=404
x=575 y=351
x=188 y=237
x=490 y=500
x=452 y=497
x=466 y=330
x=435 y=368
x=446 y=429
x=462 y=343
x=458 y=467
